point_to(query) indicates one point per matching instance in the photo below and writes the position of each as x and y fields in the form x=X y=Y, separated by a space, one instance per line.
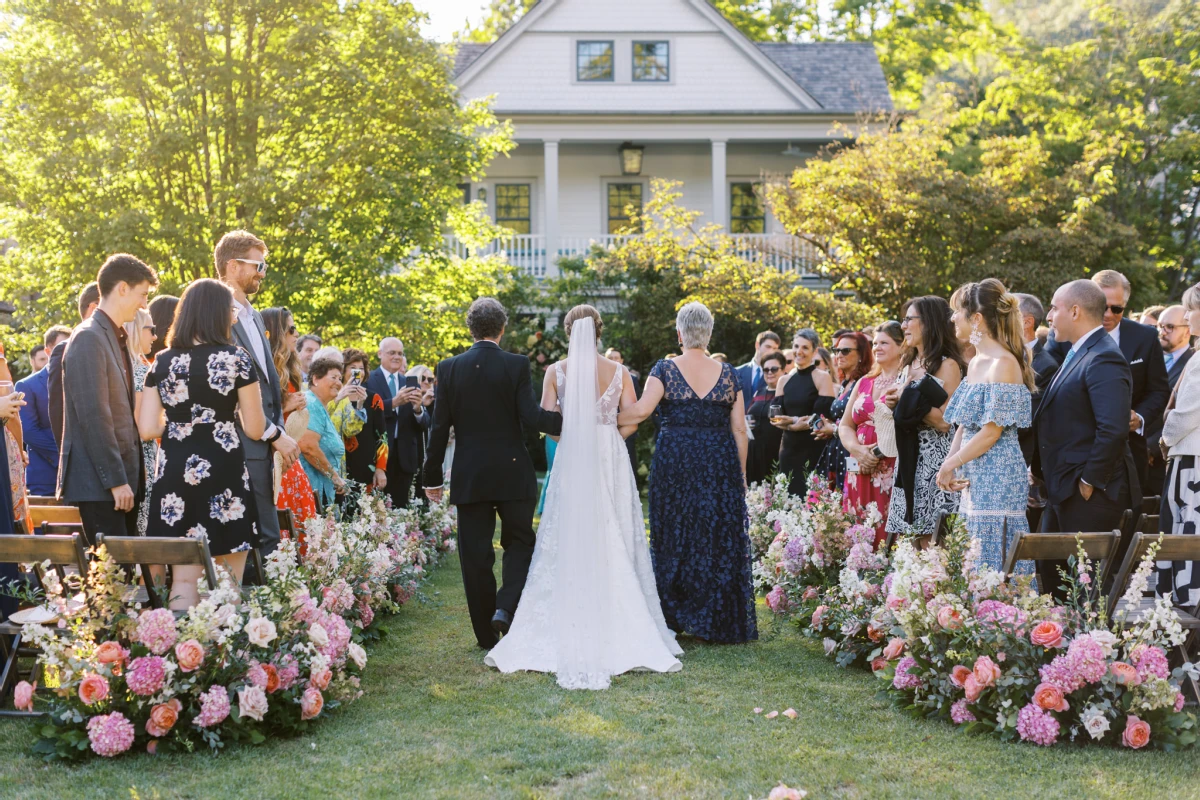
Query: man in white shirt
x=404 y=419
x=1176 y=343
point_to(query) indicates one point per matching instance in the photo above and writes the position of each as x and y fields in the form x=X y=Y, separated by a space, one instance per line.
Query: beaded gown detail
x=698 y=522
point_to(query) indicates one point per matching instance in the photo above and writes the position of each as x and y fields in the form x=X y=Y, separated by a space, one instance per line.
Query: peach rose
x=959 y=675
x=972 y=688
x=810 y=593
x=878 y=664
x=1126 y=674
x=23 y=696
x=817 y=615
x=875 y=634
x=189 y=654
x=110 y=653
x=1137 y=733
x=92 y=689
x=894 y=648
x=163 y=717
x=1047 y=634
x=1050 y=698
x=321 y=678
x=252 y=702
x=949 y=618
x=311 y=703
x=272 y=677
x=986 y=672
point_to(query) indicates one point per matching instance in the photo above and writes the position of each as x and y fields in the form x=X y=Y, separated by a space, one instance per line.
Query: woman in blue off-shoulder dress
x=990 y=405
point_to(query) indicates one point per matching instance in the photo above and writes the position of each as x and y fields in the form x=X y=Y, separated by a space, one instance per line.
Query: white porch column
x=550 y=177
x=720 y=200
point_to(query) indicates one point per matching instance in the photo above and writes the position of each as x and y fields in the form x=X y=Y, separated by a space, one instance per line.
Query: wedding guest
x=852 y=360
x=39 y=356
x=791 y=360
x=1045 y=354
x=101 y=465
x=10 y=406
x=1180 y=509
x=1174 y=335
x=1082 y=426
x=763 y=454
x=698 y=536
x=321 y=449
x=307 y=347
x=89 y=298
x=1139 y=344
x=989 y=407
x=41 y=474
x=935 y=367
x=162 y=314
x=294 y=491
x=750 y=377
x=1150 y=316
x=139 y=338
x=404 y=418
x=805 y=393
x=426 y=383
x=871 y=481
x=367 y=450
x=14 y=465
x=203 y=383
x=824 y=361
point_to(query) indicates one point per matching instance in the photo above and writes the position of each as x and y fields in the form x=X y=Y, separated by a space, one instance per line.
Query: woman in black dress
x=852 y=359
x=804 y=392
x=367 y=451
x=205 y=383
x=764 y=447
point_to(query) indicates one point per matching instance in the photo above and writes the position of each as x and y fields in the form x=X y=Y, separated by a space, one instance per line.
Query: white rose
x=357 y=655
x=1095 y=722
x=252 y=702
x=261 y=631
x=318 y=636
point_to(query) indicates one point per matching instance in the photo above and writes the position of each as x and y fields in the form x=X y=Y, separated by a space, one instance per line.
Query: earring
x=976 y=335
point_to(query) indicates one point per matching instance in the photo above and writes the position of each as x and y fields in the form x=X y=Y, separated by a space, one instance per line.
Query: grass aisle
x=436 y=723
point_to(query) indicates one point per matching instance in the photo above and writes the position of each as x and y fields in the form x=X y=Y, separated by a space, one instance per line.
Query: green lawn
x=436 y=723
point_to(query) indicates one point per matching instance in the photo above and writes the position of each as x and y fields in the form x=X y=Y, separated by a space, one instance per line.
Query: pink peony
x=959 y=713
x=810 y=593
x=878 y=664
x=189 y=654
x=321 y=678
x=23 y=696
x=257 y=675
x=1048 y=634
x=156 y=630
x=92 y=689
x=110 y=734
x=777 y=600
x=1126 y=674
x=959 y=675
x=311 y=703
x=1136 y=734
x=146 y=675
x=986 y=671
x=903 y=679
x=1049 y=697
x=894 y=648
x=949 y=618
x=1037 y=726
x=214 y=707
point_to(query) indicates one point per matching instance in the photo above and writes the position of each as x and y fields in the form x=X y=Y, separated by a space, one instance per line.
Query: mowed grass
x=436 y=723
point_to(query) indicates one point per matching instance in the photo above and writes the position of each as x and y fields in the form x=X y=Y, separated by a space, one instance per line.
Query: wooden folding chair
x=1174 y=547
x=1100 y=547
x=61 y=552
x=54 y=514
x=43 y=500
x=287 y=522
x=1150 y=505
x=167 y=551
x=941 y=524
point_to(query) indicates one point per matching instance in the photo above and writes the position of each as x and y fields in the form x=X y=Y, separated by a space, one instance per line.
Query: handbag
x=885 y=423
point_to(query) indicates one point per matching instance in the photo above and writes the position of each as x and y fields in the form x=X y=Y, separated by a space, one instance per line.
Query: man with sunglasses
x=1176 y=341
x=1139 y=344
x=240 y=259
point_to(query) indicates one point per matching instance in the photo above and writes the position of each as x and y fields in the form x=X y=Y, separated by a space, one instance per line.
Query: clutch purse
x=885 y=423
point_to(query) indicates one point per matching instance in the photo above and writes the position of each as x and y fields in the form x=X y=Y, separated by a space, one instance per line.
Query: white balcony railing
x=529 y=253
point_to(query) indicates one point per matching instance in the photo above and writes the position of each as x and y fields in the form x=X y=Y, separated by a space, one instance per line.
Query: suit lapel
x=1062 y=376
x=110 y=336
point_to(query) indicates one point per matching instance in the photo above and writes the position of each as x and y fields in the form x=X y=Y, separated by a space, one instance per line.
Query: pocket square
x=1136 y=361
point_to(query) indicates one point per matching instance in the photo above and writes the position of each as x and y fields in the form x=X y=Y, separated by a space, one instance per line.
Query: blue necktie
x=394 y=384
x=1170 y=359
x=1063 y=368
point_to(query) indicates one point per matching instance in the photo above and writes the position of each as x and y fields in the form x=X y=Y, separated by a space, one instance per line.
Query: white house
x=606 y=94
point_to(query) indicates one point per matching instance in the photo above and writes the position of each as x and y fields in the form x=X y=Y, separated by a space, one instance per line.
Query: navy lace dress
x=698 y=537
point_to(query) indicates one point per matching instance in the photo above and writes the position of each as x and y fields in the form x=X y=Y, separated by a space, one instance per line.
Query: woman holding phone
x=367 y=450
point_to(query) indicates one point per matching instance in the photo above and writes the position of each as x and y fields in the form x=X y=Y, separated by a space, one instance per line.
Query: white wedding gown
x=590 y=608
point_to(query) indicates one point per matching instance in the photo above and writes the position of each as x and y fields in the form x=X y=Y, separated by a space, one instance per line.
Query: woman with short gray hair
x=697 y=488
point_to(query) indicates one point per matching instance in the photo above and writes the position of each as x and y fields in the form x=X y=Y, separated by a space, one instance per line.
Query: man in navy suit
x=1176 y=341
x=750 y=374
x=1082 y=425
x=1143 y=353
x=1045 y=354
x=41 y=476
x=404 y=418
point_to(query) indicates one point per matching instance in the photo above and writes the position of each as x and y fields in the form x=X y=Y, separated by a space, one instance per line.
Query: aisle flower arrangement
x=241 y=665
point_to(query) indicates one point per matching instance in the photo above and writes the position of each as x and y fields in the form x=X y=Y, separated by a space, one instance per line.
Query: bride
x=590 y=607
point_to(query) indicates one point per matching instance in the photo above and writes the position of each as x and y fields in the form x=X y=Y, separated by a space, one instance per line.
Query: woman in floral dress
x=204 y=383
x=295 y=492
x=872 y=481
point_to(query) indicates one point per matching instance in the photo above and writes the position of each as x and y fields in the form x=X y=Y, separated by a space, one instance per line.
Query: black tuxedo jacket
x=403 y=425
x=1047 y=356
x=1140 y=346
x=1082 y=425
x=486 y=395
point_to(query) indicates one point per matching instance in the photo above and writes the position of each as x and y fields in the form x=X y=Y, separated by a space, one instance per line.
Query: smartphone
x=851 y=464
x=412 y=382
x=356 y=376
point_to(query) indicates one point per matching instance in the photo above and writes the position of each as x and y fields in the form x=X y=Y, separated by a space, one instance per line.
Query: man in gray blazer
x=100 y=466
x=241 y=261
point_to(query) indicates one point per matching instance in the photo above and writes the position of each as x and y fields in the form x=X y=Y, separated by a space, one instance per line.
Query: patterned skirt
x=1180 y=513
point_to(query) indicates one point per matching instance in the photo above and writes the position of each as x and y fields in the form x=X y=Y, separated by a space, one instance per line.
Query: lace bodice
x=607 y=405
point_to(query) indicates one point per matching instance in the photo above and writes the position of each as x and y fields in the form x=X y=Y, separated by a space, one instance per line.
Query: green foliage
x=500 y=16
x=330 y=129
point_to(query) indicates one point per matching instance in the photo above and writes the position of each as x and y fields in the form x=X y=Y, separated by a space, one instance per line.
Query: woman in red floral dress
x=295 y=492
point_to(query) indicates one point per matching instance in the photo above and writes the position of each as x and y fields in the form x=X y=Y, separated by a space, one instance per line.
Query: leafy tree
x=329 y=128
x=501 y=15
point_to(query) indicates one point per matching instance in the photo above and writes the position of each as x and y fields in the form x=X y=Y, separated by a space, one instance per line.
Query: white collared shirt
x=246 y=317
x=1079 y=342
x=1115 y=333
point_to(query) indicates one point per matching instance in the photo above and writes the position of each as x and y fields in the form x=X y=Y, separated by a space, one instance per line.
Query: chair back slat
x=62 y=528
x=40 y=514
x=58 y=550
x=43 y=500
x=160 y=550
x=1100 y=547
x=1150 y=505
x=1174 y=547
x=1149 y=524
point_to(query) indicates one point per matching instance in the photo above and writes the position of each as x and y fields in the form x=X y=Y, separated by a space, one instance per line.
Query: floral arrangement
x=766 y=502
x=242 y=664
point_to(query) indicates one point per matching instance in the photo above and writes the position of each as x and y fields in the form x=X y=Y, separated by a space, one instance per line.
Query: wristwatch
x=875 y=451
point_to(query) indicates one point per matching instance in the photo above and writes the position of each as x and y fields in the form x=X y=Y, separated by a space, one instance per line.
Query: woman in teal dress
x=322 y=451
x=991 y=404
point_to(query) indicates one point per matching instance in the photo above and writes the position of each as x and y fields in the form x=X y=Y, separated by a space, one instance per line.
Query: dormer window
x=593 y=61
x=651 y=61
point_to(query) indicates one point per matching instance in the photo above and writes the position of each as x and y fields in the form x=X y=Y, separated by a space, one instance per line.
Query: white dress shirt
x=255 y=335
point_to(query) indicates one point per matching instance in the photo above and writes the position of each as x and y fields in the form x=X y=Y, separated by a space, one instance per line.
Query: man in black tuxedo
x=89 y=298
x=1082 y=426
x=1045 y=355
x=1139 y=344
x=404 y=418
x=1176 y=341
x=486 y=396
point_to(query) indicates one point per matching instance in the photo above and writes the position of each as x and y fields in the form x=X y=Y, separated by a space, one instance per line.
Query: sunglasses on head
x=1118 y=310
x=844 y=351
x=261 y=266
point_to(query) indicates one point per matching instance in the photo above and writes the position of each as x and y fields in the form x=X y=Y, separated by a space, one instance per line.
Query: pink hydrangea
x=1151 y=661
x=1037 y=726
x=1089 y=658
x=289 y=672
x=110 y=734
x=338 y=598
x=257 y=675
x=365 y=614
x=303 y=608
x=1061 y=672
x=777 y=600
x=959 y=713
x=339 y=637
x=156 y=630
x=903 y=679
x=146 y=675
x=996 y=612
x=214 y=707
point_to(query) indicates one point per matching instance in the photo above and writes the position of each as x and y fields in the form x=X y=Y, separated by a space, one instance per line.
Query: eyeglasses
x=1168 y=328
x=1118 y=310
x=791 y=361
x=292 y=330
x=910 y=318
x=426 y=379
x=261 y=266
x=771 y=370
x=844 y=351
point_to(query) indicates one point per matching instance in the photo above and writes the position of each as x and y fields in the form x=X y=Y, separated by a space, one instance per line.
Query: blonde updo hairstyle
x=578 y=313
x=1001 y=312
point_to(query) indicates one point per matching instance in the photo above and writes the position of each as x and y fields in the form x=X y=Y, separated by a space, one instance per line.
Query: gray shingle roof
x=466 y=55
x=841 y=76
